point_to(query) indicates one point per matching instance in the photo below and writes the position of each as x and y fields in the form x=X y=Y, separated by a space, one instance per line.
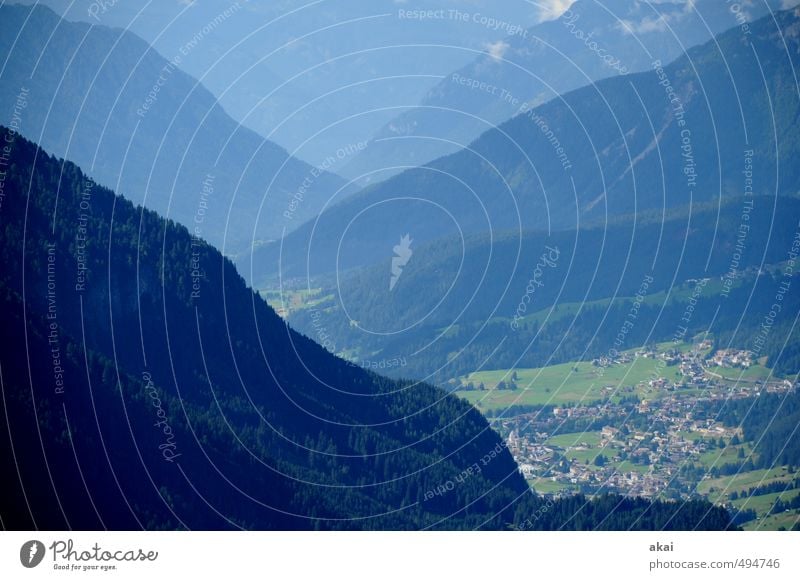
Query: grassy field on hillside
x=715 y=488
x=578 y=383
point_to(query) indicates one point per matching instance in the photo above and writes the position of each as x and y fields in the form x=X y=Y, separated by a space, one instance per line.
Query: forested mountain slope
x=144 y=385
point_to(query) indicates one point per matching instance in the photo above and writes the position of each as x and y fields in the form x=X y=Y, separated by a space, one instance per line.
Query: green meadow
x=569 y=383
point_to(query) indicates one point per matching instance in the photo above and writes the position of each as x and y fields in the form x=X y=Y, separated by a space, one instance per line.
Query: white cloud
x=656 y=23
x=645 y=25
x=551 y=9
x=496 y=49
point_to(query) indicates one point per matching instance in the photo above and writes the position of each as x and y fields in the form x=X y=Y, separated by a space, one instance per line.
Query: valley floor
x=645 y=423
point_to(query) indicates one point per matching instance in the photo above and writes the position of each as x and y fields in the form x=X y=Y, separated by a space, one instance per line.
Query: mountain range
x=193 y=315
x=104 y=98
x=591 y=41
x=698 y=129
x=530 y=300
x=313 y=76
x=145 y=386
